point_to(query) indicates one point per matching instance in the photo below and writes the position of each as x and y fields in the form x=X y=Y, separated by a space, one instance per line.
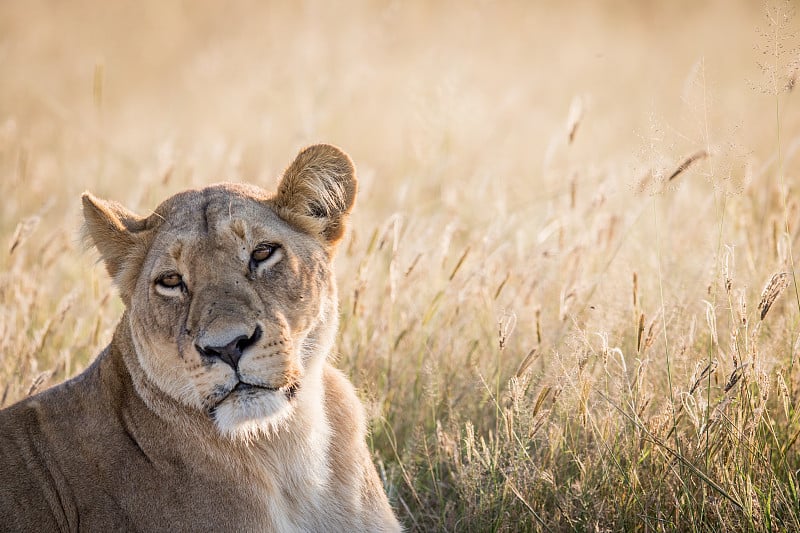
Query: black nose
x=231 y=352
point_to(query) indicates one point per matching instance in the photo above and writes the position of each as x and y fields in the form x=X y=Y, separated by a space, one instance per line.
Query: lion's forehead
x=213 y=209
x=215 y=229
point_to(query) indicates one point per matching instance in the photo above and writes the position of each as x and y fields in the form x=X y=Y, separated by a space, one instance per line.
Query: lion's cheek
x=301 y=296
x=183 y=377
x=274 y=370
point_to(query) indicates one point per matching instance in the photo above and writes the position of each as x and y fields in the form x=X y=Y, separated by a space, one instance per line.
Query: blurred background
x=411 y=89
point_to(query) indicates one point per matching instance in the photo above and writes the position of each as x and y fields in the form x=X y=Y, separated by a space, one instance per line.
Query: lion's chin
x=245 y=417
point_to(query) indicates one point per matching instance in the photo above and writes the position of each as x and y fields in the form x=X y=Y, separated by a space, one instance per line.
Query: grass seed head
x=774 y=288
x=686 y=163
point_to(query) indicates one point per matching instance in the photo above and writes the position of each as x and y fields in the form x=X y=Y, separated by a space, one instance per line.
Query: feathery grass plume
x=566 y=298
x=742 y=308
x=709 y=369
x=734 y=347
x=686 y=163
x=21 y=233
x=735 y=377
x=727 y=268
x=604 y=351
x=639 y=332
x=776 y=285
x=413 y=264
x=574 y=117
x=38 y=382
x=711 y=320
x=459 y=263
x=777 y=49
x=505 y=327
x=652 y=331
x=501 y=286
x=525 y=366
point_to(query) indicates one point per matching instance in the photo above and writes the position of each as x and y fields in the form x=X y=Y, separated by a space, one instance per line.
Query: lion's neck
x=287 y=473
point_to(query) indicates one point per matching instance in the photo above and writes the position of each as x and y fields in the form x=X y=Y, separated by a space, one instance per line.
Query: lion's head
x=229 y=292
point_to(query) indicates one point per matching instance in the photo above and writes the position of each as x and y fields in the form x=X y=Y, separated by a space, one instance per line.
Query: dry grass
x=551 y=291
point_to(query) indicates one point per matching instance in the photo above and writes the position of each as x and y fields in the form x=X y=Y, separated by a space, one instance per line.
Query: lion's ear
x=318 y=190
x=115 y=232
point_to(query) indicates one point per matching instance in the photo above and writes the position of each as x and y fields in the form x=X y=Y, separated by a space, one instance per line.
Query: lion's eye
x=263 y=252
x=170 y=280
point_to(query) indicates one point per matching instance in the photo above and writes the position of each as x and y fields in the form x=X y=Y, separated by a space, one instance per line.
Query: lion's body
x=214 y=408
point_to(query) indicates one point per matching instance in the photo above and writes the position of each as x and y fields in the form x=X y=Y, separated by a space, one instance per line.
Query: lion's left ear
x=318 y=190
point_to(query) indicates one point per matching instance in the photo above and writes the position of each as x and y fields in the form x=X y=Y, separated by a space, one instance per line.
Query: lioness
x=215 y=407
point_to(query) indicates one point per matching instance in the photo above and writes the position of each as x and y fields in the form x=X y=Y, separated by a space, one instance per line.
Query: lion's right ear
x=114 y=231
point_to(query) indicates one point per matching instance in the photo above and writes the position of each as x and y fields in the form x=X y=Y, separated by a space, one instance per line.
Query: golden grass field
x=553 y=288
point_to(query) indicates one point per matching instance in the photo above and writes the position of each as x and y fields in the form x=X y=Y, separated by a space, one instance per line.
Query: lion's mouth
x=243 y=392
x=243 y=387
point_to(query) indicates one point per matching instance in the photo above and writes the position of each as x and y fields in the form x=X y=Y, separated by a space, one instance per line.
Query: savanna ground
x=552 y=291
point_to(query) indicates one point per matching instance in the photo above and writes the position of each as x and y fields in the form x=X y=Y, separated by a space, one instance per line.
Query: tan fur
x=161 y=432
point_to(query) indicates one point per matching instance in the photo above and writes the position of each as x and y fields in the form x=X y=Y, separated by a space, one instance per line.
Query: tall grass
x=566 y=290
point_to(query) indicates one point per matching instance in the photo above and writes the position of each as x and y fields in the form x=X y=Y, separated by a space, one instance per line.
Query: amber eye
x=170 y=280
x=262 y=252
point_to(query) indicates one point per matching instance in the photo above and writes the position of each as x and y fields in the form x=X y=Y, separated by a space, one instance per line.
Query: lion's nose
x=231 y=352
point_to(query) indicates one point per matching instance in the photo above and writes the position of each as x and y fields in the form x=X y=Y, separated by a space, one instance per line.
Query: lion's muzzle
x=231 y=352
